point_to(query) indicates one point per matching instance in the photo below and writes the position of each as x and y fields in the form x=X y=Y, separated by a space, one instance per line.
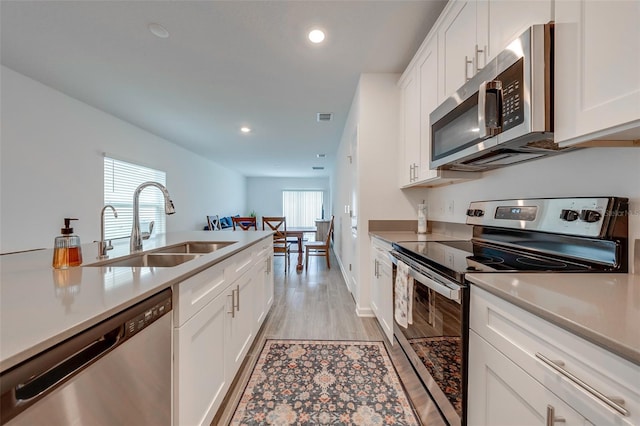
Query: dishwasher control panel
x=143 y=320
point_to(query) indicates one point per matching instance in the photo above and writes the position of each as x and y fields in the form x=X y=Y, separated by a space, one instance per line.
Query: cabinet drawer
x=535 y=345
x=263 y=248
x=195 y=292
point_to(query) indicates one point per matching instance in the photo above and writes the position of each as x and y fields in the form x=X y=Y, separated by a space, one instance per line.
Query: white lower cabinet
x=524 y=370
x=239 y=334
x=210 y=344
x=382 y=286
x=263 y=295
x=200 y=363
x=503 y=394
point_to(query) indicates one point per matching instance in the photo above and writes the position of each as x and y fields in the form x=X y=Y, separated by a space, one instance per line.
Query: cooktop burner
x=460 y=257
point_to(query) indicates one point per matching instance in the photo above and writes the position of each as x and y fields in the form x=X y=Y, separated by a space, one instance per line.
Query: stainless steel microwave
x=504 y=114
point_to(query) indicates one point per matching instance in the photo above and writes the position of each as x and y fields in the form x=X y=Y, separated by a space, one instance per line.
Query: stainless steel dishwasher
x=116 y=373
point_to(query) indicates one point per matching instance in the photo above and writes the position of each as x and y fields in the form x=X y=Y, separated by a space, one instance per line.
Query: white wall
x=52 y=167
x=587 y=172
x=375 y=115
x=264 y=194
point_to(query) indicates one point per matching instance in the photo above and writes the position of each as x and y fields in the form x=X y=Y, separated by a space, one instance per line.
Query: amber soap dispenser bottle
x=66 y=250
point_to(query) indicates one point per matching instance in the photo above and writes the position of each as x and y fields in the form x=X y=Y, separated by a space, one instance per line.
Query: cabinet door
x=263 y=294
x=381 y=289
x=499 y=22
x=268 y=284
x=240 y=331
x=199 y=379
x=429 y=83
x=385 y=307
x=457 y=41
x=375 y=283
x=409 y=128
x=259 y=292
x=597 y=68
x=501 y=393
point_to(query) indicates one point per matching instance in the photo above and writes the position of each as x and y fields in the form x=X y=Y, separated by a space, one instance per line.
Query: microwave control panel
x=512 y=95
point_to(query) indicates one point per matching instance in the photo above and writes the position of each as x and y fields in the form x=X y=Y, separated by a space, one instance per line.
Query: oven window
x=435 y=337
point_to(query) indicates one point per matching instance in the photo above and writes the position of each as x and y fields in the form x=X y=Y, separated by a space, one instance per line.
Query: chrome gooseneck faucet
x=104 y=246
x=136 y=236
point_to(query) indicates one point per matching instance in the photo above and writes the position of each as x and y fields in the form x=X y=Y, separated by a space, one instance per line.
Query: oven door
x=435 y=342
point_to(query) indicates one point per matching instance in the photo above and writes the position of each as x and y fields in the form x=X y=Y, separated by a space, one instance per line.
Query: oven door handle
x=450 y=292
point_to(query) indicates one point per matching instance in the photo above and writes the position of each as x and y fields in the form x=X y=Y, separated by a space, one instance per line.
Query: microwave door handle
x=489 y=125
x=482 y=107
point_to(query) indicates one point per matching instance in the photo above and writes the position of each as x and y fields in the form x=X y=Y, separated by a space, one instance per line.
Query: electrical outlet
x=450 y=207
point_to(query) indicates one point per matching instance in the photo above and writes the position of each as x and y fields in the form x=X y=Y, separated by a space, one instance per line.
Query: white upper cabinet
x=457 y=46
x=499 y=22
x=473 y=32
x=419 y=87
x=429 y=83
x=409 y=128
x=597 y=71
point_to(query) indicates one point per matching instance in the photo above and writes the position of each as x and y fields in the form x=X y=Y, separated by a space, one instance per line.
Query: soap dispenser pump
x=66 y=250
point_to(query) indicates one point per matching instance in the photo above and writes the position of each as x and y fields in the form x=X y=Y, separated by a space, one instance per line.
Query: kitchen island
x=41 y=306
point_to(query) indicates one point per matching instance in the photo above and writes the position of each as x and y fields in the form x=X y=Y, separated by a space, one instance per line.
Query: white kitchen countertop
x=601 y=308
x=40 y=306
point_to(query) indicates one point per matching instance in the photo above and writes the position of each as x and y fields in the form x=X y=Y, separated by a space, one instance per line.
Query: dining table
x=298 y=235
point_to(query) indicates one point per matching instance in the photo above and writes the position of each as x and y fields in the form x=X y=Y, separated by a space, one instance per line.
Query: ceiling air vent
x=324 y=116
x=317 y=168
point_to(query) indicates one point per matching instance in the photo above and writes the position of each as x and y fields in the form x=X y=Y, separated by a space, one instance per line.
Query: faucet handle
x=146 y=235
x=109 y=246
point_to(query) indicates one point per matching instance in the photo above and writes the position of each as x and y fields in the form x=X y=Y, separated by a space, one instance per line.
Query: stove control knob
x=478 y=212
x=590 y=216
x=569 y=215
x=470 y=212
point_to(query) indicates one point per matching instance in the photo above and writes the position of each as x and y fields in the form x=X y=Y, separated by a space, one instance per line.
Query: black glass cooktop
x=468 y=256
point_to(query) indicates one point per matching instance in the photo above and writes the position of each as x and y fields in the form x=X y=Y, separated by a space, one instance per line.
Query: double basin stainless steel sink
x=167 y=257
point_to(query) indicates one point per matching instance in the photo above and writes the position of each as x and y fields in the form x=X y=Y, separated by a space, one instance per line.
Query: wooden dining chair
x=319 y=248
x=281 y=247
x=245 y=223
x=214 y=223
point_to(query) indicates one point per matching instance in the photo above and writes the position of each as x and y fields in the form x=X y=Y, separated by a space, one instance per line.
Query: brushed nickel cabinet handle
x=478 y=59
x=238 y=297
x=466 y=68
x=232 y=311
x=551 y=416
x=611 y=401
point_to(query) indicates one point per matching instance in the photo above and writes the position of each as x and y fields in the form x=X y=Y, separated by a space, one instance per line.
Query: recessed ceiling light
x=245 y=129
x=158 y=30
x=316 y=36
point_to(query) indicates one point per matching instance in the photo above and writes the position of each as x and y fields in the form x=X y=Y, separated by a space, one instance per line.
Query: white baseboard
x=364 y=312
x=345 y=276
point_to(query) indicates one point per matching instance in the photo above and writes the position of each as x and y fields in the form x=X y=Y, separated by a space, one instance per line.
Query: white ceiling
x=225 y=64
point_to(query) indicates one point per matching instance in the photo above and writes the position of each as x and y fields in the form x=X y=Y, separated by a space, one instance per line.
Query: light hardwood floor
x=316 y=305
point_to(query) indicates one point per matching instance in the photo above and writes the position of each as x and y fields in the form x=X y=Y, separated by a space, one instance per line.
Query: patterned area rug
x=324 y=382
x=446 y=371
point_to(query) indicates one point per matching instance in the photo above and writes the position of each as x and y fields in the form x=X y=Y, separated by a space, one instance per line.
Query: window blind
x=302 y=208
x=120 y=181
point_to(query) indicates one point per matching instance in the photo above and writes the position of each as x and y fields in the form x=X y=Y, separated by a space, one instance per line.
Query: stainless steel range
x=551 y=235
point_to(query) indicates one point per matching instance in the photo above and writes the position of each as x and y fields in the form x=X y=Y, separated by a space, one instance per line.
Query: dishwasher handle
x=50 y=378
